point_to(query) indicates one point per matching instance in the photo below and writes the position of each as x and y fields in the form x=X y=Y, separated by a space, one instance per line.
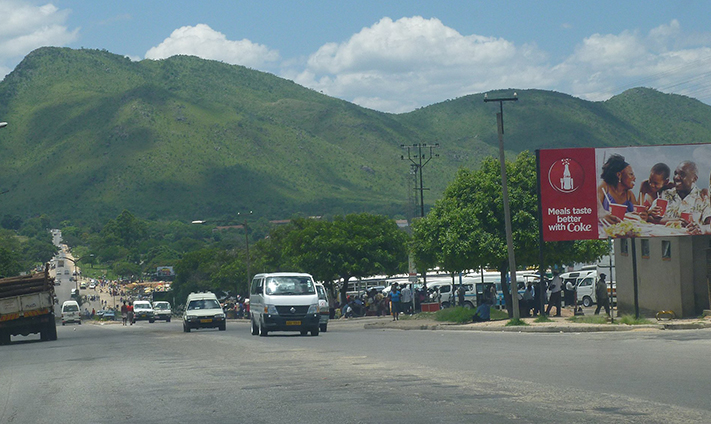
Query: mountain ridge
x=93 y=133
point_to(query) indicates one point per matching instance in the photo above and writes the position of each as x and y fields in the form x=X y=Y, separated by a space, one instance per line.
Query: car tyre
x=263 y=332
x=186 y=328
x=151 y=321
x=222 y=327
x=255 y=329
x=587 y=302
x=167 y=320
x=304 y=332
x=323 y=327
x=314 y=332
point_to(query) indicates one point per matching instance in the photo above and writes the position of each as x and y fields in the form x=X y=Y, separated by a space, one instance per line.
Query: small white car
x=161 y=310
x=203 y=310
x=142 y=310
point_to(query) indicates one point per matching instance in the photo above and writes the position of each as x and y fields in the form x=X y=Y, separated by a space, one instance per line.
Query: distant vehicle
x=70 y=312
x=161 y=310
x=66 y=272
x=107 y=315
x=82 y=285
x=203 y=310
x=586 y=290
x=323 y=307
x=74 y=292
x=142 y=310
x=92 y=286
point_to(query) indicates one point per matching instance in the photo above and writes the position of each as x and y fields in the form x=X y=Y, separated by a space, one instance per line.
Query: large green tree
x=466 y=229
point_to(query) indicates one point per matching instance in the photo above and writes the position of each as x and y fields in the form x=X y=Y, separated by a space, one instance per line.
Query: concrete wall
x=677 y=283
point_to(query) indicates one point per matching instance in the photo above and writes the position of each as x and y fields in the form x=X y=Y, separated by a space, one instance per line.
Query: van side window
x=257 y=284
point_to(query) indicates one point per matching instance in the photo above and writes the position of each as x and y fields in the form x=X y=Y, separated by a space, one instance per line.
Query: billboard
x=643 y=191
x=165 y=271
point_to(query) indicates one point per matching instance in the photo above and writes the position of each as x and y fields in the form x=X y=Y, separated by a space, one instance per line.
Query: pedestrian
x=603 y=300
x=395 y=301
x=406 y=299
x=528 y=296
x=124 y=313
x=555 y=287
x=130 y=312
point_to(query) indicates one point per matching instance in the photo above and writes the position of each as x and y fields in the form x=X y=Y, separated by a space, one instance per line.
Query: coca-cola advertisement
x=640 y=191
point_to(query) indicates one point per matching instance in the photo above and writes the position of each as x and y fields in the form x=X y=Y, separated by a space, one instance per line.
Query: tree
x=466 y=227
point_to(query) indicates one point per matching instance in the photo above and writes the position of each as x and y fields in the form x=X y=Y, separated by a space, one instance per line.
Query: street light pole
x=507 y=211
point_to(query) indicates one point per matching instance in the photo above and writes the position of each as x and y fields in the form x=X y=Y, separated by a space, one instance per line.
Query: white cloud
x=26 y=27
x=397 y=66
x=416 y=61
x=202 y=41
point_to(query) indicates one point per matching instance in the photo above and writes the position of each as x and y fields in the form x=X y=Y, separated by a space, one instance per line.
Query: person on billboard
x=687 y=205
x=652 y=188
x=614 y=194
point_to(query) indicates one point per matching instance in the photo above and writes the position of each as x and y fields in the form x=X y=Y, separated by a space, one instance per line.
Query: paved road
x=155 y=373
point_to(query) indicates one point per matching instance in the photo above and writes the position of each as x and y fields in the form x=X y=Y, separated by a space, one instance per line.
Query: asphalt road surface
x=155 y=373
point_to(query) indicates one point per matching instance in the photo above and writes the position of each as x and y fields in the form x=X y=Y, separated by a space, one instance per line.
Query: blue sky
x=395 y=56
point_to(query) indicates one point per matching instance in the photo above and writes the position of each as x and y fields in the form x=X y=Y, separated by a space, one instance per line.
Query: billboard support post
x=634 y=278
x=507 y=212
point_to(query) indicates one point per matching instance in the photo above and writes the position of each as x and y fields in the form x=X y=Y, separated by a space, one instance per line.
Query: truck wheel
x=52 y=331
x=4 y=337
x=587 y=301
x=255 y=329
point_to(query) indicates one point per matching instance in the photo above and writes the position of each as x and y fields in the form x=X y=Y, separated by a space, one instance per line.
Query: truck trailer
x=27 y=306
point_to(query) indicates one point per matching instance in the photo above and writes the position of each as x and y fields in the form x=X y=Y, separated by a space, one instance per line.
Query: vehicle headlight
x=271 y=310
x=313 y=309
x=220 y=316
x=191 y=317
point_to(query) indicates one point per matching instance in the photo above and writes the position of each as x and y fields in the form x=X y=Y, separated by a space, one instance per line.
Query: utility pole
x=246 y=239
x=507 y=211
x=419 y=160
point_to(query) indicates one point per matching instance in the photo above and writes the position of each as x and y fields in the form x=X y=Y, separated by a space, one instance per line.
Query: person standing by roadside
x=406 y=299
x=124 y=313
x=603 y=300
x=555 y=287
x=395 y=301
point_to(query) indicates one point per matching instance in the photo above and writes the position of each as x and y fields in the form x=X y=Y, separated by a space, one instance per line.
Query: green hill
x=92 y=133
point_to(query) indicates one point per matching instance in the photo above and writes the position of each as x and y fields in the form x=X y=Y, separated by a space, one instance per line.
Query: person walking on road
x=603 y=300
x=130 y=312
x=555 y=287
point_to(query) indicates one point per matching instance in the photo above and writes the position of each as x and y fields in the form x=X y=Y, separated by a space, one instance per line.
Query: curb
x=582 y=328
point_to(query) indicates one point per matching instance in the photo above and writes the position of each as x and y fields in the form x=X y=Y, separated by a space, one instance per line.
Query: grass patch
x=590 y=319
x=542 y=318
x=631 y=320
x=499 y=314
x=515 y=321
x=458 y=314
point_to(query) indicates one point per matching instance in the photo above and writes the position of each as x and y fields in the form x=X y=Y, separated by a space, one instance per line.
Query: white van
x=284 y=301
x=70 y=312
x=323 y=307
x=202 y=310
x=586 y=290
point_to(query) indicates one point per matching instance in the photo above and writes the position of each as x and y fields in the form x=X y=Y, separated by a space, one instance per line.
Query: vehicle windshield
x=203 y=304
x=71 y=308
x=290 y=286
x=161 y=306
x=141 y=306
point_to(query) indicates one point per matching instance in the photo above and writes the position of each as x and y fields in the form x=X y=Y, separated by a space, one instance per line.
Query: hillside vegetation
x=92 y=133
